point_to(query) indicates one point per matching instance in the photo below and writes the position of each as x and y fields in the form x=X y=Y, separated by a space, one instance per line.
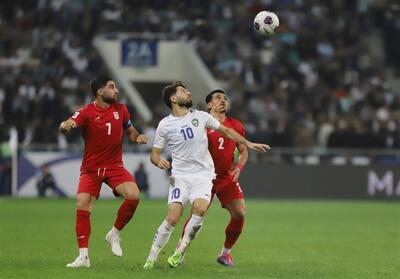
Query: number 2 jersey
x=222 y=148
x=102 y=131
x=186 y=137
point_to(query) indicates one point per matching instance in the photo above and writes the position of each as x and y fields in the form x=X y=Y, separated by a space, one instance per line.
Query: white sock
x=115 y=230
x=160 y=240
x=225 y=251
x=83 y=252
x=192 y=229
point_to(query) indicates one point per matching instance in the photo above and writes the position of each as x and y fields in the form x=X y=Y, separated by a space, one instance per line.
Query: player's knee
x=200 y=211
x=132 y=195
x=172 y=220
x=83 y=204
x=239 y=213
x=129 y=192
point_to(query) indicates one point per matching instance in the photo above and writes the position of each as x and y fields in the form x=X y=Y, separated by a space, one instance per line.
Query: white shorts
x=188 y=188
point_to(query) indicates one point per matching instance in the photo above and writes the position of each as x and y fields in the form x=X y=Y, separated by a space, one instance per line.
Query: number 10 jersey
x=186 y=137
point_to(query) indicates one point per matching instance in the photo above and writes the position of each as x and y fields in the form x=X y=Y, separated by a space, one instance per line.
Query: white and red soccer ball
x=266 y=22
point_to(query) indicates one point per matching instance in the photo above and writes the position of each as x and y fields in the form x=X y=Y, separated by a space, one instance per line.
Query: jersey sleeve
x=159 y=138
x=126 y=118
x=211 y=122
x=240 y=128
x=80 y=117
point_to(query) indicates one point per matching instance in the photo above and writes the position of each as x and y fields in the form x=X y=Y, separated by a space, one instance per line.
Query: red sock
x=82 y=228
x=232 y=232
x=125 y=213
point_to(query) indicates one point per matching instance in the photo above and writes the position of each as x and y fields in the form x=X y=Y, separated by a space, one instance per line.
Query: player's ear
x=173 y=98
x=100 y=91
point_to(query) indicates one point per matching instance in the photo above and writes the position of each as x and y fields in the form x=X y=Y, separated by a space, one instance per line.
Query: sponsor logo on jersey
x=116 y=115
x=195 y=122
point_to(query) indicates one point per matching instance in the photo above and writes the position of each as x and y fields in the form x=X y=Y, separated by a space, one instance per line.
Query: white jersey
x=186 y=137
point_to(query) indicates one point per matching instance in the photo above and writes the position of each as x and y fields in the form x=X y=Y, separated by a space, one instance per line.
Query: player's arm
x=67 y=126
x=242 y=160
x=155 y=158
x=134 y=136
x=232 y=134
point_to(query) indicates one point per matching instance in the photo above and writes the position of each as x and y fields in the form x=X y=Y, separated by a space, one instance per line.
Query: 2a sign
x=139 y=53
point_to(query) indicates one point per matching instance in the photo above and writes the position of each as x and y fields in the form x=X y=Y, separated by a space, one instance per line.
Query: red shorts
x=226 y=190
x=90 y=182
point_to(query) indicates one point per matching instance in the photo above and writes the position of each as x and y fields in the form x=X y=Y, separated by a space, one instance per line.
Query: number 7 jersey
x=186 y=137
x=102 y=131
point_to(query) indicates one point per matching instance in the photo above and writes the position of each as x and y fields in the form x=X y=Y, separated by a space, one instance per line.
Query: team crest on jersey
x=195 y=122
x=116 y=115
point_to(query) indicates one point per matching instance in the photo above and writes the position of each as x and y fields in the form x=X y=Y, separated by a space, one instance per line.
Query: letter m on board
x=376 y=184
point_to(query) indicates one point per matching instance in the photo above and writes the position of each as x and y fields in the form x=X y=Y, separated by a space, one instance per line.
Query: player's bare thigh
x=129 y=190
x=237 y=208
x=85 y=201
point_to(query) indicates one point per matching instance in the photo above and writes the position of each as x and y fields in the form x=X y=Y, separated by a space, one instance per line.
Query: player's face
x=183 y=97
x=219 y=103
x=109 y=92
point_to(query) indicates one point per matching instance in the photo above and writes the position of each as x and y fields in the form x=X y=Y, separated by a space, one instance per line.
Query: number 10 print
x=187 y=133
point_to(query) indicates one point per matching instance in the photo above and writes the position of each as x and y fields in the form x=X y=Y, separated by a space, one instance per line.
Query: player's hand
x=67 y=125
x=260 y=147
x=163 y=164
x=235 y=174
x=142 y=139
x=218 y=108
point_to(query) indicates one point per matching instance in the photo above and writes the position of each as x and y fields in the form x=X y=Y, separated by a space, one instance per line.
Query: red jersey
x=102 y=131
x=222 y=148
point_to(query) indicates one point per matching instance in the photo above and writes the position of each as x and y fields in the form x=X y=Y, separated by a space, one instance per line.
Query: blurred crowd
x=327 y=78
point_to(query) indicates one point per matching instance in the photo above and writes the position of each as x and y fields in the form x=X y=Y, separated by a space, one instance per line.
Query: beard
x=109 y=100
x=184 y=103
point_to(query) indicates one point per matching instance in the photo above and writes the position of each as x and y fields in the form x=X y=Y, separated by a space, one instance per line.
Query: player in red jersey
x=103 y=123
x=226 y=185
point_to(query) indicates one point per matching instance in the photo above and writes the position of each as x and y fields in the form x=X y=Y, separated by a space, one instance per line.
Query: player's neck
x=178 y=111
x=220 y=116
x=100 y=103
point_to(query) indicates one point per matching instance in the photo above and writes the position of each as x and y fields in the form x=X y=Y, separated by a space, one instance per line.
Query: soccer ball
x=265 y=23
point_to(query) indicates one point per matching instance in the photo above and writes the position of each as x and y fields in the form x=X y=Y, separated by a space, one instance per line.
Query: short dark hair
x=170 y=90
x=210 y=95
x=98 y=82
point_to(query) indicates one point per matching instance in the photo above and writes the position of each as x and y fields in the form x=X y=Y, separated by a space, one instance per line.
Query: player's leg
x=178 y=196
x=88 y=192
x=232 y=199
x=200 y=195
x=199 y=209
x=164 y=232
x=188 y=219
x=128 y=189
x=84 y=206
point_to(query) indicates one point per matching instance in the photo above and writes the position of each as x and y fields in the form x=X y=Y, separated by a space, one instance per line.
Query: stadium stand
x=329 y=78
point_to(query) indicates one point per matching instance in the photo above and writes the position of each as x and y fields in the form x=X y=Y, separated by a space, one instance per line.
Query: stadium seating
x=328 y=78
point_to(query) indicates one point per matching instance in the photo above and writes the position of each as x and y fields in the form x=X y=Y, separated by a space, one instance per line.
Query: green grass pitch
x=282 y=239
